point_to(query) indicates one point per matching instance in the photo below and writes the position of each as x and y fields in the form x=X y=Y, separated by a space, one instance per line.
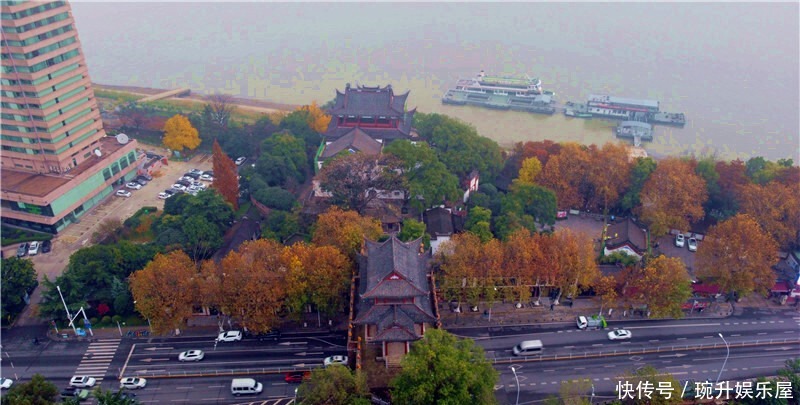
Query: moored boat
x=502 y=93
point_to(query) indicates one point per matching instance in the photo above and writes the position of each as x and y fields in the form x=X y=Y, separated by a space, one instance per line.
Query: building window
x=106 y=174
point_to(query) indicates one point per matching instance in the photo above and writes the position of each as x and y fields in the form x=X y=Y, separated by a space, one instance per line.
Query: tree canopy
x=462 y=373
x=37 y=391
x=225 y=176
x=672 y=196
x=335 y=385
x=179 y=134
x=18 y=278
x=164 y=291
x=354 y=180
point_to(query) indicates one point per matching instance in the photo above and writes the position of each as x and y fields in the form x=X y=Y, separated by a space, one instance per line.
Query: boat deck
x=638 y=131
x=541 y=104
x=677 y=119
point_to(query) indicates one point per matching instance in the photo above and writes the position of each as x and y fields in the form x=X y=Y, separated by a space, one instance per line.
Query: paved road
x=540 y=380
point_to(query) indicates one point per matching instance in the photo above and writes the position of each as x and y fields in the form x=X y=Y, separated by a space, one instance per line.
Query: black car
x=141 y=180
x=146 y=176
x=22 y=250
x=192 y=175
x=170 y=191
x=184 y=183
x=47 y=246
x=271 y=335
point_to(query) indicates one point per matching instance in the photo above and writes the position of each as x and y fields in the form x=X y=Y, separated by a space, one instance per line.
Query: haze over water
x=732 y=68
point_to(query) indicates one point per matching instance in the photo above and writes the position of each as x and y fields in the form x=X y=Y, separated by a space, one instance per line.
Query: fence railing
x=217 y=373
x=658 y=349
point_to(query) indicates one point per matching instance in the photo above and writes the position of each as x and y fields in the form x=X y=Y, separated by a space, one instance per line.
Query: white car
x=180 y=187
x=199 y=185
x=207 y=177
x=230 y=336
x=82 y=381
x=679 y=240
x=132 y=383
x=196 y=171
x=240 y=160
x=329 y=361
x=191 y=355
x=162 y=195
x=692 y=244
x=123 y=193
x=5 y=383
x=619 y=334
x=33 y=249
x=186 y=178
x=133 y=186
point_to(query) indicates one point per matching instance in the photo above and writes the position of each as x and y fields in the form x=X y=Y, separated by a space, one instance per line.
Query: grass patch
x=116 y=96
x=139 y=227
x=13 y=236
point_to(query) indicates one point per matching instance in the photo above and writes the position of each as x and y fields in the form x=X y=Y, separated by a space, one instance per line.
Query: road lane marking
x=216 y=386
x=674 y=326
x=736 y=335
x=763 y=333
x=183 y=388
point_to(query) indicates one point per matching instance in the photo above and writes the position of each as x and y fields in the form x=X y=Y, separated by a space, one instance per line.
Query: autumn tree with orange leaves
x=776 y=207
x=575 y=268
x=226 y=179
x=565 y=174
x=672 y=196
x=609 y=175
x=664 y=286
x=179 y=134
x=345 y=230
x=318 y=120
x=316 y=275
x=522 y=252
x=164 y=291
x=738 y=255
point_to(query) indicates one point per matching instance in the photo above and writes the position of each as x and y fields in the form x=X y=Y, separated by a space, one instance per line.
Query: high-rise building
x=57 y=161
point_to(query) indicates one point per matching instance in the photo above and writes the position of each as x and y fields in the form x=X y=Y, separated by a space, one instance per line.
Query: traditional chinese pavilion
x=376 y=111
x=394 y=303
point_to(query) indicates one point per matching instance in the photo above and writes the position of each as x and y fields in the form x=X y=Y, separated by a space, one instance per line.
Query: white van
x=528 y=347
x=240 y=386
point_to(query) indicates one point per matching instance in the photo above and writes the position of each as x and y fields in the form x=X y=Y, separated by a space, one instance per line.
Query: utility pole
x=69 y=316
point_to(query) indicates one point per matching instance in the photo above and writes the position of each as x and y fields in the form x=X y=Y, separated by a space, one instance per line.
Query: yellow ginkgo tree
x=179 y=134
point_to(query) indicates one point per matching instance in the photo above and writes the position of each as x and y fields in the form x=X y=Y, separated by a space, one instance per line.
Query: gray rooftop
x=624 y=100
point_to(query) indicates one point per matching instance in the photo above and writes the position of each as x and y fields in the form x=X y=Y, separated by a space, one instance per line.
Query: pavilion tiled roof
x=627 y=232
x=402 y=132
x=355 y=139
x=393 y=255
x=439 y=222
x=369 y=101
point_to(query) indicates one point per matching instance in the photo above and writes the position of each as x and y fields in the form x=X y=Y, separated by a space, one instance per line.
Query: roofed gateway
x=377 y=111
x=394 y=302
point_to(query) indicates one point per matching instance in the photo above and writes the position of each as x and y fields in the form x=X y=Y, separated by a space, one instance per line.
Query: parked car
x=196 y=171
x=141 y=180
x=47 y=246
x=186 y=178
x=146 y=176
x=170 y=191
x=33 y=249
x=82 y=381
x=132 y=383
x=199 y=185
x=123 y=193
x=164 y=195
x=679 y=240
x=329 y=361
x=133 y=186
x=22 y=250
x=192 y=175
x=5 y=383
x=191 y=355
x=271 y=335
x=692 y=244
x=297 y=377
x=230 y=336
x=619 y=334
x=240 y=160
x=185 y=183
x=207 y=177
x=178 y=186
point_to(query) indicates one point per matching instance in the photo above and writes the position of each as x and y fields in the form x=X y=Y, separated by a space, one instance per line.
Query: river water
x=731 y=67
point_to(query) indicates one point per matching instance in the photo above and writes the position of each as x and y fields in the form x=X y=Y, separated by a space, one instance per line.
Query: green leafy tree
x=479 y=223
x=91 y=275
x=275 y=197
x=536 y=201
x=335 y=385
x=283 y=160
x=37 y=391
x=18 y=277
x=202 y=237
x=642 y=167
x=354 y=180
x=442 y=369
x=280 y=225
x=792 y=374
x=427 y=179
x=576 y=392
x=413 y=229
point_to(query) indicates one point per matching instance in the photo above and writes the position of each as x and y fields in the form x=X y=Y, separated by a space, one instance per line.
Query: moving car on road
x=329 y=361
x=230 y=336
x=297 y=377
x=132 y=383
x=271 y=335
x=5 y=383
x=123 y=193
x=82 y=381
x=619 y=334
x=191 y=355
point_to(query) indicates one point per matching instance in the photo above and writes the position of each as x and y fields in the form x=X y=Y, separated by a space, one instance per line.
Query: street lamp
x=514 y=370
x=728 y=352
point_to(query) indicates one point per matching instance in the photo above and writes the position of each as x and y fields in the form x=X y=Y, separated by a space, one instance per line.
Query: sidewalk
x=508 y=314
